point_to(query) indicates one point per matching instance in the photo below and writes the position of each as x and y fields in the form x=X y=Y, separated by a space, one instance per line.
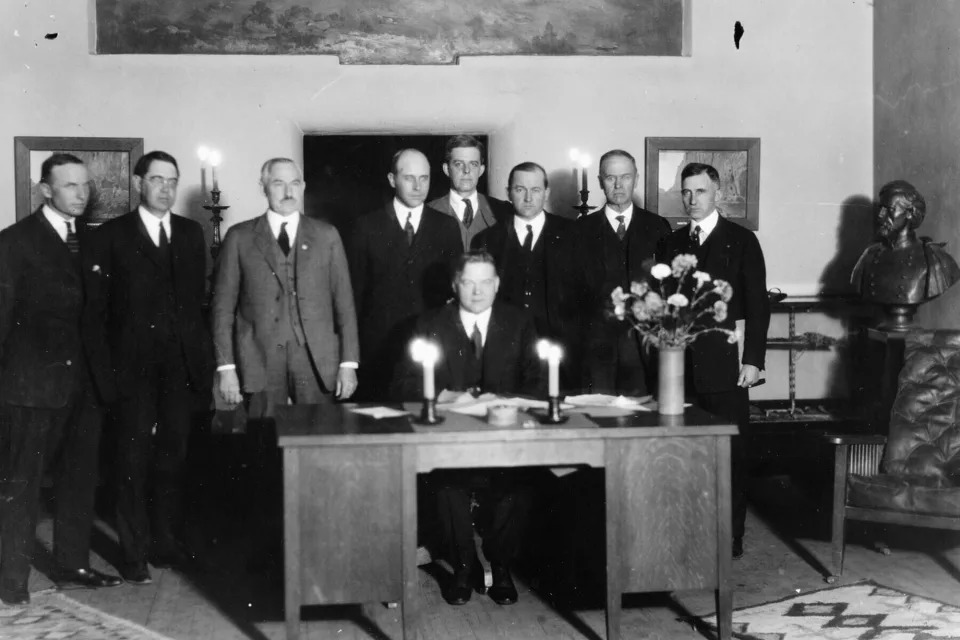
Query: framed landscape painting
x=110 y=162
x=395 y=31
x=737 y=160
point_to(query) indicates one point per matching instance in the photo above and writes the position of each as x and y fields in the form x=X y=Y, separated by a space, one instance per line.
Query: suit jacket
x=729 y=253
x=557 y=236
x=645 y=232
x=393 y=283
x=248 y=292
x=132 y=273
x=510 y=363
x=490 y=211
x=45 y=327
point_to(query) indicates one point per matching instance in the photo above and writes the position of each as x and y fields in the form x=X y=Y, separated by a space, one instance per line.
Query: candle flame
x=585 y=160
x=203 y=153
x=549 y=351
x=424 y=351
x=574 y=154
x=215 y=158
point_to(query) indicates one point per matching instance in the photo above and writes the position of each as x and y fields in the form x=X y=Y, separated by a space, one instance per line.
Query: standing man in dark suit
x=154 y=266
x=615 y=246
x=52 y=379
x=400 y=259
x=720 y=378
x=533 y=250
x=464 y=163
x=486 y=346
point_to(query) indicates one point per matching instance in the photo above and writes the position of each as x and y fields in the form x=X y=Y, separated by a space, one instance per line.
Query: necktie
x=73 y=244
x=477 y=340
x=621 y=228
x=408 y=228
x=164 y=240
x=528 y=241
x=696 y=233
x=467 y=214
x=283 y=239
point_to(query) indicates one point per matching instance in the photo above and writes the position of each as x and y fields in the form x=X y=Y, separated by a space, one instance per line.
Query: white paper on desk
x=478 y=406
x=380 y=412
x=609 y=402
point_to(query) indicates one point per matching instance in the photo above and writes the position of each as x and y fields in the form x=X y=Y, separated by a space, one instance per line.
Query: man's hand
x=229 y=386
x=346 y=383
x=749 y=375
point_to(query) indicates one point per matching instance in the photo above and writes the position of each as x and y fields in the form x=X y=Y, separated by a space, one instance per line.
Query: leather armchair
x=912 y=476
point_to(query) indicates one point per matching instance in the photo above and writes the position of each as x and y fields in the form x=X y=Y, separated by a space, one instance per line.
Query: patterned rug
x=54 y=616
x=861 y=611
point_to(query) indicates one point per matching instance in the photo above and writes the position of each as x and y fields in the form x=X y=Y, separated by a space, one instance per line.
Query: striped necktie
x=467 y=214
x=73 y=243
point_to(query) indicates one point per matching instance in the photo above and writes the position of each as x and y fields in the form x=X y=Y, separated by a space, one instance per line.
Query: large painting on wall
x=110 y=163
x=393 y=31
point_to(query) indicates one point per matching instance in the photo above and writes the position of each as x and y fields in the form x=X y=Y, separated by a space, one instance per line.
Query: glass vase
x=670 y=378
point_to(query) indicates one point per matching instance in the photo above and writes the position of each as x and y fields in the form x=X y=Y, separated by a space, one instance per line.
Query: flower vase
x=670 y=387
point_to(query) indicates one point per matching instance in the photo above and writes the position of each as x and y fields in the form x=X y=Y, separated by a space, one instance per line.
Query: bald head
x=410 y=177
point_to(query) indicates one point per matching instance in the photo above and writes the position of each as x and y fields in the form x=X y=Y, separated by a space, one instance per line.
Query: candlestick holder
x=215 y=219
x=583 y=207
x=428 y=414
x=553 y=415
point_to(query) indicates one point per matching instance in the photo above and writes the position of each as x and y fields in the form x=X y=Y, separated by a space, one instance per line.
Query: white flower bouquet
x=678 y=305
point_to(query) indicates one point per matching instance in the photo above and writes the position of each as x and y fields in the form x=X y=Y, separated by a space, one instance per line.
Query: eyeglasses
x=158 y=182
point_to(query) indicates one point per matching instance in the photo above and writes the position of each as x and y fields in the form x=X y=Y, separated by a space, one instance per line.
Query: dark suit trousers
x=620 y=369
x=154 y=429
x=505 y=497
x=66 y=441
x=734 y=406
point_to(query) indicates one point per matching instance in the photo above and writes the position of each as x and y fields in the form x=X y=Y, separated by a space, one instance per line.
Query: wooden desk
x=350 y=500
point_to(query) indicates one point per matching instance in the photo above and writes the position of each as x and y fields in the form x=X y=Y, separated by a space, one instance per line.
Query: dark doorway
x=346 y=175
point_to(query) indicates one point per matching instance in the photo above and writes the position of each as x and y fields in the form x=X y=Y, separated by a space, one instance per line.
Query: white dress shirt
x=401 y=210
x=458 y=206
x=707 y=225
x=520 y=226
x=274 y=219
x=57 y=221
x=613 y=213
x=471 y=320
x=153 y=223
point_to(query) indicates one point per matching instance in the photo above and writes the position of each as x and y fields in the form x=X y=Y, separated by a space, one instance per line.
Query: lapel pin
x=96 y=268
x=304 y=247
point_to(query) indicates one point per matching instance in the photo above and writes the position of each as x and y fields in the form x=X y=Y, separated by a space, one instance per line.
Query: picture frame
x=737 y=160
x=110 y=162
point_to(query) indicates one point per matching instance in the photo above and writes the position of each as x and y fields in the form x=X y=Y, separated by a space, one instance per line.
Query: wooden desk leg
x=613 y=480
x=408 y=473
x=724 y=539
x=291 y=541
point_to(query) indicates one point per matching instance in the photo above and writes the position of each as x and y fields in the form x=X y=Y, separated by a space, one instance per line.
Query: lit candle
x=203 y=153
x=215 y=159
x=552 y=353
x=584 y=164
x=427 y=354
x=575 y=158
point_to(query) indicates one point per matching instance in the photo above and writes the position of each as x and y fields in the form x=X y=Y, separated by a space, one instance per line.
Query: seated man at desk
x=485 y=346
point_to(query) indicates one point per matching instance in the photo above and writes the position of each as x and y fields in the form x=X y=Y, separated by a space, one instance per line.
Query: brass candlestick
x=216 y=219
x=428 y=413
x=554 y=416
x=583 y=207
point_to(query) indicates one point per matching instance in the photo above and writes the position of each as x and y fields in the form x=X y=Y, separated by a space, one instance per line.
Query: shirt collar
x=274 y=219
x=481 y=320
x=520 y=225
x=613 y=213
x=456 y=201
x=401 y=210
x=153 y=222
x=708 y=224
x=57 y=222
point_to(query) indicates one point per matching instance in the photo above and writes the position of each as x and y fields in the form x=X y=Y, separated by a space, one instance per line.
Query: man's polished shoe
x=84 y=579
x=466 y=579
x=171 y=558
x=136 y=573
x=14 y=594
x=737 y=548
x=503 y=590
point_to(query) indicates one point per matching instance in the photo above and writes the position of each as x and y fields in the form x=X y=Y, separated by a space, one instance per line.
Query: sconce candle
x=552 y=353
x=203 y=153
x=584 y=164
x=575 y=159
x=215 y=159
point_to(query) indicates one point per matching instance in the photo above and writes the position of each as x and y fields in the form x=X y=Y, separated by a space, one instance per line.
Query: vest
x=165 y=300
x=615 y=259
x=290 y=324
x=526 y=284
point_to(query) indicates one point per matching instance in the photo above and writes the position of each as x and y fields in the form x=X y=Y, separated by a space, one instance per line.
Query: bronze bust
x=901 y=270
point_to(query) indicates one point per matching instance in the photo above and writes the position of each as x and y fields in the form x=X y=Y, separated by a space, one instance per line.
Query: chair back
x=923 y=445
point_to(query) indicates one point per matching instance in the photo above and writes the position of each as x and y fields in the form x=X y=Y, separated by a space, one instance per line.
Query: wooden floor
x=786 y=542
